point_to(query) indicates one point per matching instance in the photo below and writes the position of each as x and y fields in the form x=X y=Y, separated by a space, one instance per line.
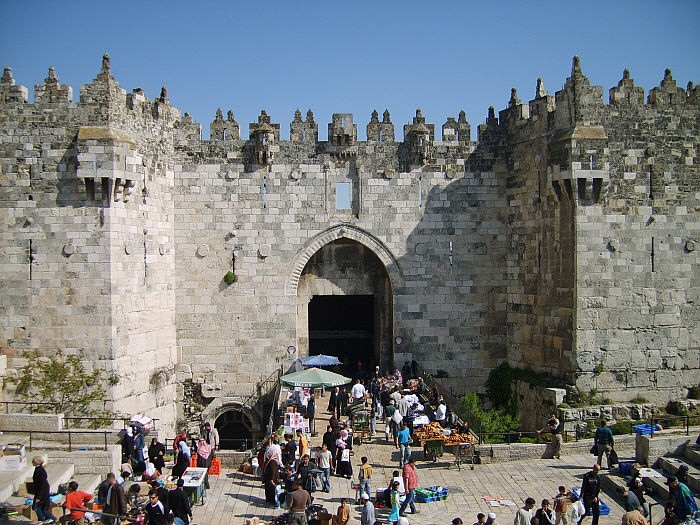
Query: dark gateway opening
x=343 y=326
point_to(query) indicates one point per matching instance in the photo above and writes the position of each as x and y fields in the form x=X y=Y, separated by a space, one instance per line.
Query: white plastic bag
x=577 y=510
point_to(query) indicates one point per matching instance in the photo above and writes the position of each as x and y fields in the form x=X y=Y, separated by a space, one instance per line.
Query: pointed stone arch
x=338 y=232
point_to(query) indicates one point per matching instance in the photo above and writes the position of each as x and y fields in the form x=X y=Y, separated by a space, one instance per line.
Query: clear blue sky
x=348 y=57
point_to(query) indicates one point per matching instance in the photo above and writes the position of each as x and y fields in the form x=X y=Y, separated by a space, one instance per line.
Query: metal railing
x=32 y=407
x=40 y=435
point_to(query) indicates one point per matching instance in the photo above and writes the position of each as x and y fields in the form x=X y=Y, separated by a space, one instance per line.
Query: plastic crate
x=604 y=509
x=646 y=429
x=434 y=493
x=625 y=467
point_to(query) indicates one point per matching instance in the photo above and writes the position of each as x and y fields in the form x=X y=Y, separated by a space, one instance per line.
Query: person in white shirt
x=358 y=392
x=441 y=413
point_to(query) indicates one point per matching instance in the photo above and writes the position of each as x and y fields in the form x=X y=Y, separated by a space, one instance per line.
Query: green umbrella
x=314 y=377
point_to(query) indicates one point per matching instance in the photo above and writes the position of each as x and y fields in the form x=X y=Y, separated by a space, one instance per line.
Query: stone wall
x=563 y=240
x=94 y=461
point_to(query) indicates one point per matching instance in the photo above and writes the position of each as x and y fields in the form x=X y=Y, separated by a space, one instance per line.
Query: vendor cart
x=463 y=453
x=360 y=426
x=195 y=485
x=433 y=448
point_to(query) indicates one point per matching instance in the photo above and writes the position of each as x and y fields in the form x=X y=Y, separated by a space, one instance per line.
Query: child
x=365 y=476
x=343 y=515
x=561 y=504
x=279 y=494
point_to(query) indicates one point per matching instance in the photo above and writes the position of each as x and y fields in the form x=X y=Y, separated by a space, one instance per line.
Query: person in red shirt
x=410 y=481
x=76 y=499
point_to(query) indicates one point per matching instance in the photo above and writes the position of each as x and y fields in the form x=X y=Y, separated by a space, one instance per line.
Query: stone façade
x=563 y=239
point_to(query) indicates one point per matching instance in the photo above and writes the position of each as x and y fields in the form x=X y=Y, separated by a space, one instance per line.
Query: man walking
x=325 y=460
x=554 y=427
x=524 y=515
x=410 y=481
x=298 y=501
x=604 y=441
x=367 y=515
x=115 y=502
x=590 y=488
x=404 y=438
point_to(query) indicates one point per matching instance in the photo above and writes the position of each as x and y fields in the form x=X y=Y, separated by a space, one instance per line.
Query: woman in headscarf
x=150 y=474
x=271 y=475
x=204 y=457
x=182 y=461
x=156 y=453
x=343 y=467
x=127 y=445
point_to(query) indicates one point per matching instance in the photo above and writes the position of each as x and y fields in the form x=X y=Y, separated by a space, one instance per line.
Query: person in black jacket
x=179 y=504
x=42 y=489
x=156 y=513
x=590 y=488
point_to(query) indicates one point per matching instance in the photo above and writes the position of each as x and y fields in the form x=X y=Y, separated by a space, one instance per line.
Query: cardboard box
x=28 y=512
x=26 y=488
x=15 y=449
x=13 y=463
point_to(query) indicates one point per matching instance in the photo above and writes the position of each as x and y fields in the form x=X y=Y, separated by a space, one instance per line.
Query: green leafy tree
x=496 y=424
x=62 y=384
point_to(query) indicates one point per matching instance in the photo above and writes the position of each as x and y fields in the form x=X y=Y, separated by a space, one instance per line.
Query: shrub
x=230 y=278
x=639 y=400
x=622 y=427
x=495 y=423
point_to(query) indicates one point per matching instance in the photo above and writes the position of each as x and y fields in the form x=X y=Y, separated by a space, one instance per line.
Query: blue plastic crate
x=645 y=429
x=625 y=467
x=604 y=509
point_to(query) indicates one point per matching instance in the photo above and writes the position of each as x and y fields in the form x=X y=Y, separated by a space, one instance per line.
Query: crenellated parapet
x=419 y=138
x=305 y=131
x=9 y=92
x=265 y=136
x=51 y=91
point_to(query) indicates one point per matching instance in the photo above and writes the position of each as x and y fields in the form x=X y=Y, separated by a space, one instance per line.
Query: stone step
x=692 y=453
x=670 y=466
x=11 y=482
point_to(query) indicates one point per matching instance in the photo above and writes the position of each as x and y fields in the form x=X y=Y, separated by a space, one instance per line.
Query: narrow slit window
x=342 y=195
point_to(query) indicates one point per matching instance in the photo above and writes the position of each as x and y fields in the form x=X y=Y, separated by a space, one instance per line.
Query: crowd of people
x=120 y=494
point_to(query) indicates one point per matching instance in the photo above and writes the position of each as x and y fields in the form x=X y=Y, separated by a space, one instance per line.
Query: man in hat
x=180 y=504
x=629 y=499
x=638 y=488
x=491 y=518
x=367 y=516
x=685 y=502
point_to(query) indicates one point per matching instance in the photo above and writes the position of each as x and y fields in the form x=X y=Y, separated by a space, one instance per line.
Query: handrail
x=125 y=421
x=69 y=433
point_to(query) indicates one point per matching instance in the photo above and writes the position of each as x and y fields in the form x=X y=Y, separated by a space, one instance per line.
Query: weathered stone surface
x=562 y=240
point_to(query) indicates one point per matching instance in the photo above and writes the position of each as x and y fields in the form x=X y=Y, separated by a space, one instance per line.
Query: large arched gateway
x=345 y=303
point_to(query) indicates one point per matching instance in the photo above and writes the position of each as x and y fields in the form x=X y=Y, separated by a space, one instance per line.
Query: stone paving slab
x=235 y=496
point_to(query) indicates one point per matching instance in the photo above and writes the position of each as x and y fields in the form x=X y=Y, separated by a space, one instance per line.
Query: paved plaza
x=235 y=496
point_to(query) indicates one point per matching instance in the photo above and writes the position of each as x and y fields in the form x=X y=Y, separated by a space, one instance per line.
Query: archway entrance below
x=344 y=326
x=235 y=430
